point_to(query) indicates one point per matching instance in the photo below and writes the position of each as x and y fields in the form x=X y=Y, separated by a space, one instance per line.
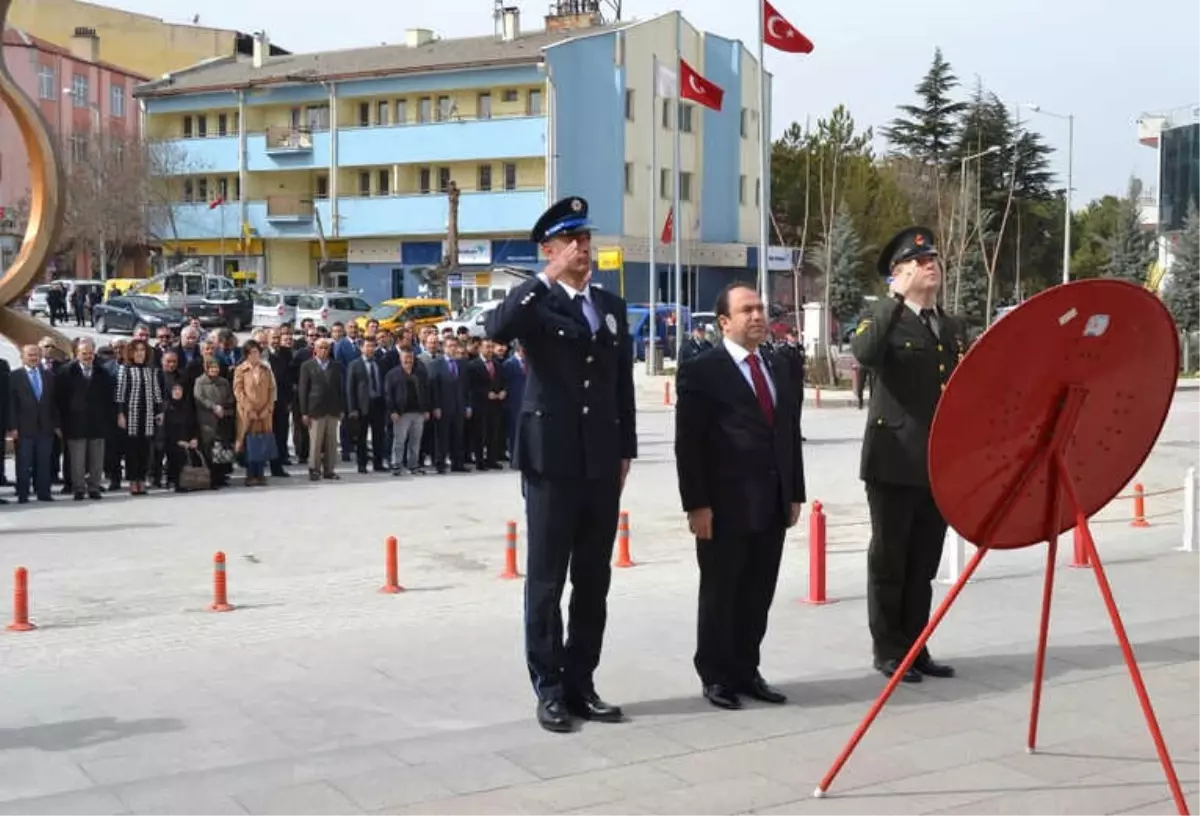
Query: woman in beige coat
x=254 y=392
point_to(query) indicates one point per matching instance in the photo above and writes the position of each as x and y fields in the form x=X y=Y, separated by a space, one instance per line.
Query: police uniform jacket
x=577 y=418
x=911 y=366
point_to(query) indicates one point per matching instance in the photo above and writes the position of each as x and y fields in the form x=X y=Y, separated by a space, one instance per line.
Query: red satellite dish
x=1113 y=339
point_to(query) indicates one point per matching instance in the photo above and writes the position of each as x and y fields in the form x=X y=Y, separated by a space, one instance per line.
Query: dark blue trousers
x=33 y=464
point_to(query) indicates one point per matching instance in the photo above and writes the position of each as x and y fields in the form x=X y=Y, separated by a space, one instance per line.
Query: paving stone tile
x=626 y=745
x=316 y=798
x=735 y=794
x=390 y=788
x=599 y=788
x=28 y=773
x=93 y=800
x=475 y=774
x=562 y=758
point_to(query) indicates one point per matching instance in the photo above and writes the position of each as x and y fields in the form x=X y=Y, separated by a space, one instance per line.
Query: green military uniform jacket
x=911 y=366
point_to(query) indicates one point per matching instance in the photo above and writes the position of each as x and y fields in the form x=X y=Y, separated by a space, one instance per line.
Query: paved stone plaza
x=318 y=694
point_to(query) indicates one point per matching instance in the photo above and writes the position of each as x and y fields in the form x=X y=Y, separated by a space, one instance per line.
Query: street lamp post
x=1070 y=117
x=96 y=115
x=962 y=194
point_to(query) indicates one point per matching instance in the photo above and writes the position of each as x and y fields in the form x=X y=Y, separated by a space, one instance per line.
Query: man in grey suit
x=33 y=424
x=322 y=400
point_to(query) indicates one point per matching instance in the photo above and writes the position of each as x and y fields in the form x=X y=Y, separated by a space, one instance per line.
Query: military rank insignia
x=862 y=326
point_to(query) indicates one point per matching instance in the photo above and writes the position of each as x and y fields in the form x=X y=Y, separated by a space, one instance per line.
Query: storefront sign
x=474 y=252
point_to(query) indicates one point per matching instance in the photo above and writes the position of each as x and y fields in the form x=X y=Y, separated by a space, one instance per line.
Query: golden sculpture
x=45 y=213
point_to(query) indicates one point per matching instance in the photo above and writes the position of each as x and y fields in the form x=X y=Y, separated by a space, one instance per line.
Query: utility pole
x=450 y=261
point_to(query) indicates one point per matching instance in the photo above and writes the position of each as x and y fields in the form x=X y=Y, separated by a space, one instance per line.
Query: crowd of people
x=144 y=411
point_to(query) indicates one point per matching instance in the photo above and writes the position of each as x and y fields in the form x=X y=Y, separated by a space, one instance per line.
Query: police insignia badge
x=611 y=322
x=862 y=327
x=576 y=204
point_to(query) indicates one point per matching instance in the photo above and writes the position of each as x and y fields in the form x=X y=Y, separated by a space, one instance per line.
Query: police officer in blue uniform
x=911 y=347
x=574 y=441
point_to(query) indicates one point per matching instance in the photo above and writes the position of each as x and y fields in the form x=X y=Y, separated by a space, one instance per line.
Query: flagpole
x=222 y=270
x=763 y=169
x=675 y=210
x=651 y=235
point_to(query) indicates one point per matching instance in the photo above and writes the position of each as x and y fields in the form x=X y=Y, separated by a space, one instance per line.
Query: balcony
x=289 y=208
x=504 y=211
x=453 y=141
x=213 y=155
x=282 y=140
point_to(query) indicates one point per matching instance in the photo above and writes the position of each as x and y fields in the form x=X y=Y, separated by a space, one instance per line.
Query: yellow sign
x=610 y=260
x=337 y=250
x=483 y=278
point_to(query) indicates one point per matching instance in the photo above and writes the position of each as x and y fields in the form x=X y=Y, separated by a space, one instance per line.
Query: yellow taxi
x=397 y=313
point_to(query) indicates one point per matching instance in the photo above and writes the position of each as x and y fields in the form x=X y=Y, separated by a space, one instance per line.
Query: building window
x=443 y=179
x=79 y=90
x=666 y=184
x=666 y=114
x=187 y=127
x=223 y=189
x=445 y=108
x=757 y=192
x=629 y=106
x=78 y=148
x=628 y=178
x=116 y=101
x=46 y=82
x=742 y=190
x=364 y=183
x=237 y=123
x=222 y=124
x=685 y=186
x=385 y=183
x=401 y=112
x=201 y=126
x=322 y=190
x=510 y=176
x=381 y=113
x=485 y=177
x=188 y=192
x=535 y=103
x=424 y=180
x=119 y=154
x=685 y=118
x=511 y=95
x=202 y=189
x=317 y=117
x=484 y=109
x=745 y=125
x=364 y=114
x=424 y=110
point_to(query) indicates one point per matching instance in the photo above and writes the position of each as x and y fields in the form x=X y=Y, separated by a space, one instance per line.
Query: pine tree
x=1182 y=292
x=973 y=288
x=927 y=130
x=1131 y=249
x=845 y=250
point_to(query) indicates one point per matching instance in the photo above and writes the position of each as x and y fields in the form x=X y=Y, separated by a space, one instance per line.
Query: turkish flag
x=668 y=232
x=779 y=33
x=216 y=202
x=698 y=89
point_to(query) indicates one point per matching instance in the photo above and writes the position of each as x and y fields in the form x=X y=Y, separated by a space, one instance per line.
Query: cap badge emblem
x=576 y=204
x=918 y=239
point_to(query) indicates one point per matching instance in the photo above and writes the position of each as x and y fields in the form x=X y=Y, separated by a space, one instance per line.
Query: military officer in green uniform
x=910 y=346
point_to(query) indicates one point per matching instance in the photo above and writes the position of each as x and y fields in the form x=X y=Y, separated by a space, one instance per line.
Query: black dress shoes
x=888 y=667
x=591 y=707
x=927 y=665
x=554 y=716
x=759 y=689
x=722 y=696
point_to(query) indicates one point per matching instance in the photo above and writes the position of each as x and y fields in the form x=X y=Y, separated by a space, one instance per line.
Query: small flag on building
x=216 y=202
x=698 y=89
x=668 y=233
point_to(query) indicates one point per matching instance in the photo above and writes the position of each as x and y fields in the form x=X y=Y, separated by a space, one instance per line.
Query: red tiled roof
x=23 y=39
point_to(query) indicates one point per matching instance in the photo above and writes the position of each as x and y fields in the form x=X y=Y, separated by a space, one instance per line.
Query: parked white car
x=473 y=318
x=327 y=308
x=276 y=307
x=36 y=304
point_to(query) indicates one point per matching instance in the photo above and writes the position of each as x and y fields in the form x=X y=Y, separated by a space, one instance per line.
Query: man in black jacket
x=911 y=347
x=88 y=410
x=279 y=358
x=322 y=399
x=575 y=439
x=741 y=481
x=406 y=393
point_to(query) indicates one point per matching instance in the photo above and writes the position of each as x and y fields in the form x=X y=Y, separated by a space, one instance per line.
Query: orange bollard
x=220 y=601
x=510 y=553
x=1139 y=507
x=816 y=556
x=623 y=559
x=1079 y=552
x=392 y=567
x=20 y=621
x=667 y=392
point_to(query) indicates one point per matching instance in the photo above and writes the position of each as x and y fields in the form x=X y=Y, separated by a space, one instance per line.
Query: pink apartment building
x=73 y=88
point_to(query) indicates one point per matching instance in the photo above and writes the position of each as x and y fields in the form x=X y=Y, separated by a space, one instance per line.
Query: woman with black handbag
x=213 y=396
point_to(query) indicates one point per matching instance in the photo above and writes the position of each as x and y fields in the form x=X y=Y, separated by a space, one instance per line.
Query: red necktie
x=491 y=370
x=761 y=389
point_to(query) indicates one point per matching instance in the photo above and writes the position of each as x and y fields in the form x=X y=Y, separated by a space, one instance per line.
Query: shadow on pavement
x=72 y=734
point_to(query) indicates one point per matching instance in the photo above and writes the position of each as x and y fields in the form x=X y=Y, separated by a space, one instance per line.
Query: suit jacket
x=87 y=406
x=691 y=348
x=395 y=390
x=578 y=416
x=911 y=366
x=482 y=384
x=29 y=416
x=727 y=456
x=448 y=391
x=5 y=384
x=358 y=386
x=321 y=392
x=514 y=384
x=280 y=361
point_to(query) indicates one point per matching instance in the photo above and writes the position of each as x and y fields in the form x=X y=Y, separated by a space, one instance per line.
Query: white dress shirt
x=589 y=308
x=933 y=319
x=739 y=356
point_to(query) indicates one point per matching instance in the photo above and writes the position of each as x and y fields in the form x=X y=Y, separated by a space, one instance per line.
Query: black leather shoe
x=759 y=689
x=722 y=697
x=591 y=707
x=553 y=716
x=888 y=667
x=929 y=666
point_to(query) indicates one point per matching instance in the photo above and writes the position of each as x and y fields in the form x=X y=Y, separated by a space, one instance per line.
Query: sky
x=1105 y=61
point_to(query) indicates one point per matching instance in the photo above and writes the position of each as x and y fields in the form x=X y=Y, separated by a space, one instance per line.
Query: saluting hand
x=562 y=263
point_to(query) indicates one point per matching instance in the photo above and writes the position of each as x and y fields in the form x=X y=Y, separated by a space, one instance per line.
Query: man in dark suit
x=911 y=347
x=322 y=402
x=451 y=399
x=487 y=395
x=33 y=424
x=695 y=344
x=366 y=407
x=301 y=355
x=279 y=357
x=741 y=479
x=514 y=393
x=86 y=390
x=576 y=437
x=5 y=379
